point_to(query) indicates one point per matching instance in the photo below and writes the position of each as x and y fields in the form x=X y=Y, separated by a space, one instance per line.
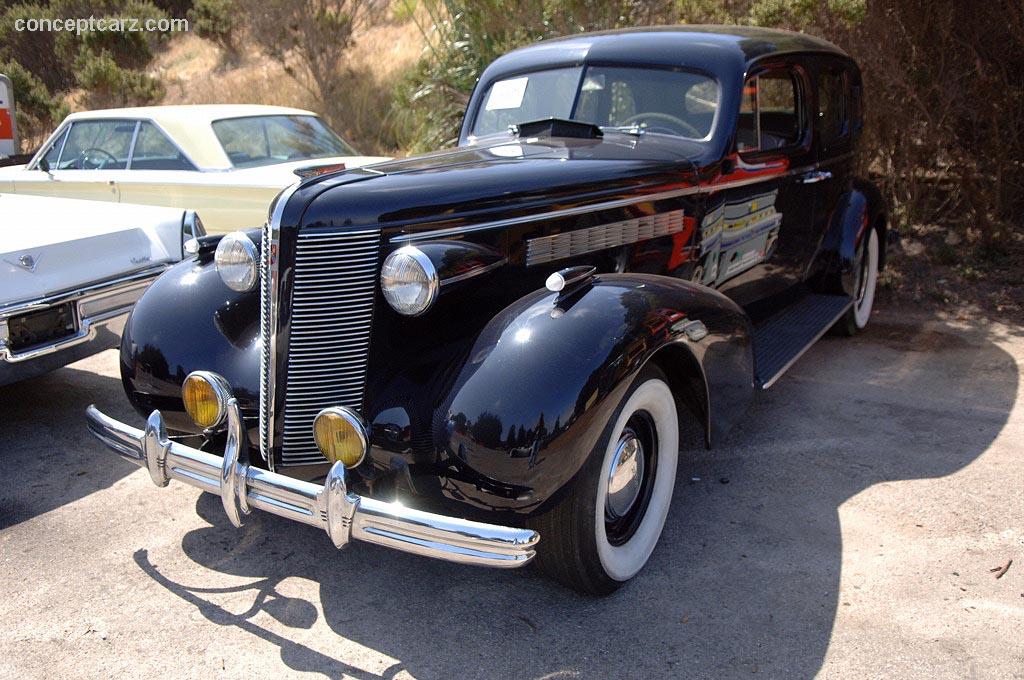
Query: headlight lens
x=409 y=281
x=206 y=398
x=340 y=435
x=237 y=261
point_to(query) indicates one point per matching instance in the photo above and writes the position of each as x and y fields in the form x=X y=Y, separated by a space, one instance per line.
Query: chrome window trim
x=68 y=124
x=33 y=164
x=131 y=145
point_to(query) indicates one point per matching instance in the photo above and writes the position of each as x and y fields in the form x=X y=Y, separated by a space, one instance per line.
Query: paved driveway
x=847 y=529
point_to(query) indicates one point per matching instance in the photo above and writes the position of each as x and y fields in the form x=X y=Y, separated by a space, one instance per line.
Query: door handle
x=815 y=177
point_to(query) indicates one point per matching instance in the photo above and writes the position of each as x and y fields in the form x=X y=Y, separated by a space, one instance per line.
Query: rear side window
x=833 y=120
x=154 y=151
x=770 y=113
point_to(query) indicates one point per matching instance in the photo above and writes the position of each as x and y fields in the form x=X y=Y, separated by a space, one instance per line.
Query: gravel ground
x=848 y=528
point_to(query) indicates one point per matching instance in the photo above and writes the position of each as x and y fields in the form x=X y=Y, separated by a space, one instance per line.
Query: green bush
x=107 y=85
x=215 y=20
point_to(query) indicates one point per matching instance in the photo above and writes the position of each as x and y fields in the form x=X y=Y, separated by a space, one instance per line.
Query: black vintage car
x=487 y=353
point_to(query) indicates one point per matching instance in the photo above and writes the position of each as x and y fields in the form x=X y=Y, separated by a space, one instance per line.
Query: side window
x=153 y=151
x=770 y=113
x=98 y=145
x=856 y=108
x=53 y=153
x=832 y=106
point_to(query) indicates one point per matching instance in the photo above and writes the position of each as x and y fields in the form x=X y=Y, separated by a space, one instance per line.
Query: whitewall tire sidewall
x=622 y=562
x=862 y=307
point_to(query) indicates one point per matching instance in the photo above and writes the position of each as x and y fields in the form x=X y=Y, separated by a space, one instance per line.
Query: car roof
x=189 y=125
x=751 y=42
x=191 y=112
x=725 y=52
x=722 y=50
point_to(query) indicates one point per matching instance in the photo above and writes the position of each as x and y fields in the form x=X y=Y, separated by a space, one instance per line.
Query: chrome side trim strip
x=474 y=272
x=554 y=214
x=607 y=205
x=339 y=512
x=107 y=301
x=100 y=288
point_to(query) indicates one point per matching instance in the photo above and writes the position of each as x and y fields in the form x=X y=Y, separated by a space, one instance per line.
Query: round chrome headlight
x=237 y=261
x=409 y=281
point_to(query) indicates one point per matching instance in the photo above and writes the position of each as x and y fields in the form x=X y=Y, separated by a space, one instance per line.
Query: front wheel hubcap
x=625 y=476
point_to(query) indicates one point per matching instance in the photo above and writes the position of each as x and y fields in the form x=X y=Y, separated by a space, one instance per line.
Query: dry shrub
x=197 y=71
x=945 y=108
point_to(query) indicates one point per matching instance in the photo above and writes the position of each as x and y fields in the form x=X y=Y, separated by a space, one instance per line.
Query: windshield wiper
x=635 y=129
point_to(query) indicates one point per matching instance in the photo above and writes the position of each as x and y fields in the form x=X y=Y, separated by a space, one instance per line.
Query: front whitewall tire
x=622 y=562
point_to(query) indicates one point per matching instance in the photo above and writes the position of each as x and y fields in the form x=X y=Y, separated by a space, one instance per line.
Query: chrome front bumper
x=332 y=507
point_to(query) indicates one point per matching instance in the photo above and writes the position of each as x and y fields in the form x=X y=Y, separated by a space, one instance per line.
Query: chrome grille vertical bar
x=270 y=290
x=332 y=303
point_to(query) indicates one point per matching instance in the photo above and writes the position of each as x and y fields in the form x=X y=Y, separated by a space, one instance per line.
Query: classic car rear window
x=266 y=140
x=665 y=101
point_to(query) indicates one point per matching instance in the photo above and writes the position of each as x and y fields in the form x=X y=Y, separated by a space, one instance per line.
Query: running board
x=781 y=339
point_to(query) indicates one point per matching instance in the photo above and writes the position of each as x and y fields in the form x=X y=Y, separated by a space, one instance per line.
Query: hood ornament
x=26 y=262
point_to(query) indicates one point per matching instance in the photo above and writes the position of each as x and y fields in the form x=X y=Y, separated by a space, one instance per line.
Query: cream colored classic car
x=226 y=162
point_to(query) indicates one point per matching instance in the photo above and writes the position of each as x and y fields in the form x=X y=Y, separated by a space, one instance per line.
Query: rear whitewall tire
x=866 y=296
x=866 y=281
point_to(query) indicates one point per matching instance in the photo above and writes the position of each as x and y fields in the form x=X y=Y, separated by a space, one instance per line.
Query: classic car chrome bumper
x=100 y=312
x=332 y=507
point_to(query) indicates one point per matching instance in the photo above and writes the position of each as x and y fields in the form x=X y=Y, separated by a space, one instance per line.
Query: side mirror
x=44 y=165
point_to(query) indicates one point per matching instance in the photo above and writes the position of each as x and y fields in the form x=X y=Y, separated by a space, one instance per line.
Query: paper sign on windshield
x=507 y=94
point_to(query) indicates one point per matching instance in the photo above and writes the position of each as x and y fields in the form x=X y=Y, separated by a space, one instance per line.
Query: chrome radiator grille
x=335 y=277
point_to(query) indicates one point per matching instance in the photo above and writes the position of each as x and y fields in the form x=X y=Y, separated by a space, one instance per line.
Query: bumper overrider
x=342 y=514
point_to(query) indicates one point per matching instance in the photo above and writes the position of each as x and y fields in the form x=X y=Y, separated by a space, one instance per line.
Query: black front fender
x=545 y=376
x=189 y=320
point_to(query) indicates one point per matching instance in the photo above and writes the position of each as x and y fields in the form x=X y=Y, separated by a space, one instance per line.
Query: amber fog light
x=340 y=435
x=206 y=398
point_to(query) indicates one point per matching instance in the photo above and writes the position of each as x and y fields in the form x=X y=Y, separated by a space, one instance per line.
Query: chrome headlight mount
x=409 y=281
x=237 y=260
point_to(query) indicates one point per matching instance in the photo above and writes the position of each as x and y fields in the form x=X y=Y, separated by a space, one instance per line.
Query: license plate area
x=27 y=331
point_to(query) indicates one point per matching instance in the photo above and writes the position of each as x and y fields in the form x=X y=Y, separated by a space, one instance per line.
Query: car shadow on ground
x=48 y=456
x=744 y=580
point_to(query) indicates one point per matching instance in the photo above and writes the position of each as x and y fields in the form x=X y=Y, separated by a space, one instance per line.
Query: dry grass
x=196 y=71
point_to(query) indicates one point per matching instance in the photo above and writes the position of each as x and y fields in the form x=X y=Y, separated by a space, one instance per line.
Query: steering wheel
x=683 y=127
x=85 y=158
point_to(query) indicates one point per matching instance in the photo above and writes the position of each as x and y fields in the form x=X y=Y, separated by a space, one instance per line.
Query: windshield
x=663 y=101
x=265 y=140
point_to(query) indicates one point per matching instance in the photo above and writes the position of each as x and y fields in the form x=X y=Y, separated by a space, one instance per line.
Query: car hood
x=283 y=174
x=498 y=176
x=51 y=245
